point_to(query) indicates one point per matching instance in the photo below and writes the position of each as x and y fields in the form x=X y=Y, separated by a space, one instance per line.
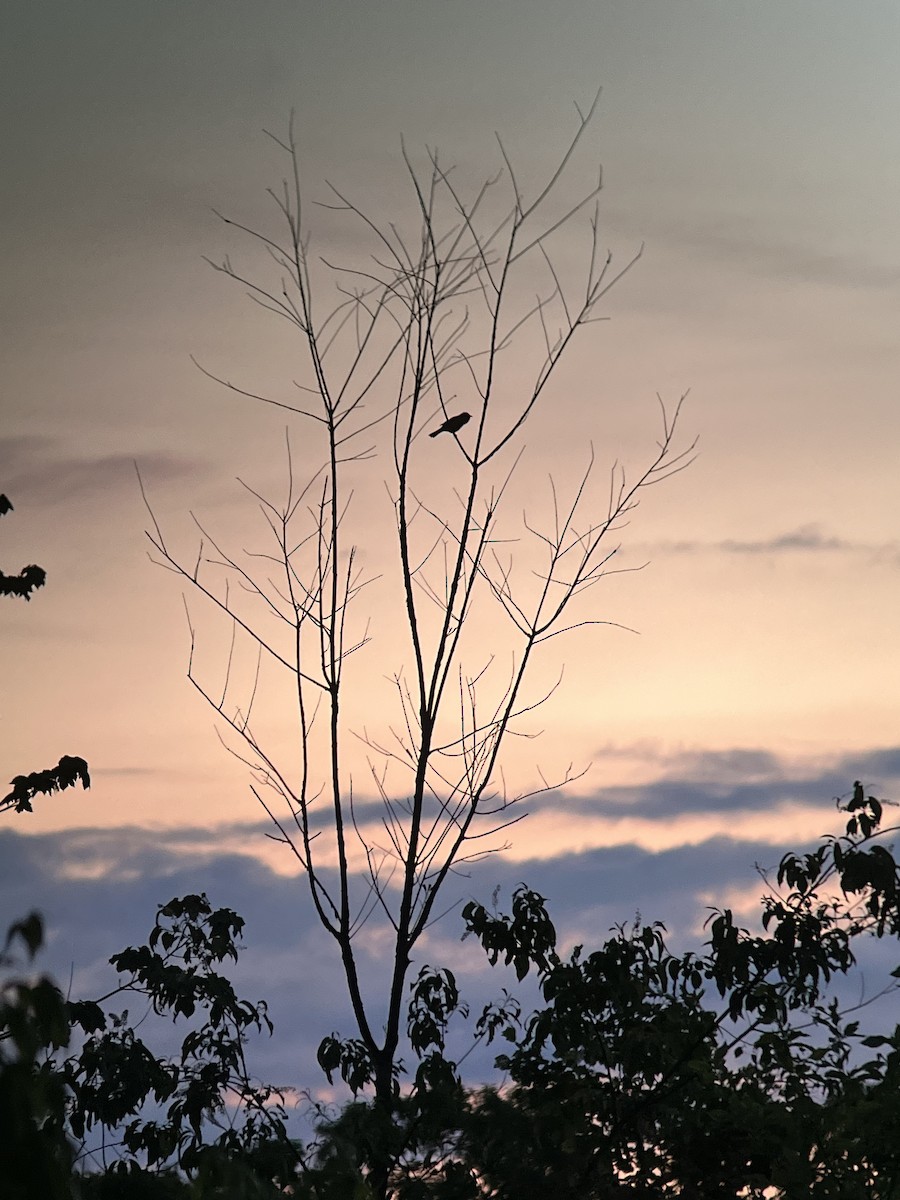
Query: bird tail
x=435 y=433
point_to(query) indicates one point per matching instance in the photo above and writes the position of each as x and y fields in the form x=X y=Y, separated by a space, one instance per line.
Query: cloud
x=728 y=805
x=37 y=469
x=289 y=960
x=130 y=772
x=670 y=850
x=740 y=763
x=745 y=795
x=807 y=539
x=19 y=450
x=880 y=766
x=788 y=259
x=698 y=782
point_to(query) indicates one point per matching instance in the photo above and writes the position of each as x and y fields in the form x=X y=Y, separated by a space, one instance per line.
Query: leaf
x=64 y=775
x=29 y=930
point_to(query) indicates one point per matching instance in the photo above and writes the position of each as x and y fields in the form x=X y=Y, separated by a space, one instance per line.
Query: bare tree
x=430 y=334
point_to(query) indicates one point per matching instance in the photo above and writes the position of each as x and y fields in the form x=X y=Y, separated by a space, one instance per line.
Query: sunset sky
x=753 y=148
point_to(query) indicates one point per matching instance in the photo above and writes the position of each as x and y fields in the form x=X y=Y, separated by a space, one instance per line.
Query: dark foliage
x=729 y=1072
x=111 y=1116
x=733 y=1072
x=70 y=768
x=67 y=772
x=35 y=1156
x=29 y=578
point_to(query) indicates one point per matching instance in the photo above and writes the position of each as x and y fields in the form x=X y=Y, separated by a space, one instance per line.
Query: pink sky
x=753 y=148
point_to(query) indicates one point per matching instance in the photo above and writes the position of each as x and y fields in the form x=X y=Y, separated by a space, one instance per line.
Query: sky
x=752 y=149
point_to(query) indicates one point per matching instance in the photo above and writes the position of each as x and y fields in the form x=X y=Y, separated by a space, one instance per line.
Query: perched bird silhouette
x=452 y=424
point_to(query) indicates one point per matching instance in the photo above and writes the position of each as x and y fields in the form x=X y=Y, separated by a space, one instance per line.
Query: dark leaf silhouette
x=23 y=584
x=65 y=774
x=29 y=577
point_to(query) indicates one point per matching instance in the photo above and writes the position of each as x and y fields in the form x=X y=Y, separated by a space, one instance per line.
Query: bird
x=452 y=424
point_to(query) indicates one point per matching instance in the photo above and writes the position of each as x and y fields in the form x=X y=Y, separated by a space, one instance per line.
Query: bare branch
x=421 y=328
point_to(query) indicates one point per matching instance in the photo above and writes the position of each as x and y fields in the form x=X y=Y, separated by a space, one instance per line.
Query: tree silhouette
x=436 y=305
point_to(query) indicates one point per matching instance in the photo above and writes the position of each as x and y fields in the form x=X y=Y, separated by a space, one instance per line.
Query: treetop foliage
x=736 y=1070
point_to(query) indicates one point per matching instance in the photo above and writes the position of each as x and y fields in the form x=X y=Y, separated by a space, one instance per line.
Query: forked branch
x=420 y=337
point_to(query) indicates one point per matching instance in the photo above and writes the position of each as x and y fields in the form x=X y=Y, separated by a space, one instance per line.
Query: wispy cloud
x=16 y=453
x=743 y=795
x=40 y=470
x=806 y=539
x=697 y=796
x=791 y=259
